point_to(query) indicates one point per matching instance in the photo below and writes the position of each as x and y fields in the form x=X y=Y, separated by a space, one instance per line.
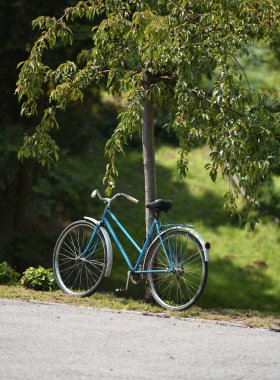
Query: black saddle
x=159 y=205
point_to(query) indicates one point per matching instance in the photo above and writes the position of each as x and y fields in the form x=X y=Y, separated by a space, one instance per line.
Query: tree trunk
x=149 y=159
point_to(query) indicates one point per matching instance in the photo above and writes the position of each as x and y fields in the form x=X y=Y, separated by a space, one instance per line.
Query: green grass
x=245 y=266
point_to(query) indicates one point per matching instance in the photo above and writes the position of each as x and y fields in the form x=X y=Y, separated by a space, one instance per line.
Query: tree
x=158 y=54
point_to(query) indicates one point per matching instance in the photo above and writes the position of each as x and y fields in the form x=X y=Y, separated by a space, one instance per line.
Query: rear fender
x=107 y=242
x=190 y=230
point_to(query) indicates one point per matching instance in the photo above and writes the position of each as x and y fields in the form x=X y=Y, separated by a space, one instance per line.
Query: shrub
x=8 y=275
x=39 y=279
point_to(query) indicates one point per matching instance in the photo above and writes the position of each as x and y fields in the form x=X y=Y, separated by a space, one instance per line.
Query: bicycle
x=173 y=258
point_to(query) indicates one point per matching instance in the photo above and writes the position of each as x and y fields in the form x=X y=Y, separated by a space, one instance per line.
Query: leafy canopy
x=163 y=51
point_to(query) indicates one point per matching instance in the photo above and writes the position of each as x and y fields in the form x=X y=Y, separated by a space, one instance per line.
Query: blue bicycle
x=173 y=259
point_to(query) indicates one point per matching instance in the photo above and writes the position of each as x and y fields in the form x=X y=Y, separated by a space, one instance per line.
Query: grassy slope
x=243 y=272
x=244 y=267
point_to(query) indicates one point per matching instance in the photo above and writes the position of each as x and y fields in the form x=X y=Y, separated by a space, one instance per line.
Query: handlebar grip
x=130 y=198
x=94 y=193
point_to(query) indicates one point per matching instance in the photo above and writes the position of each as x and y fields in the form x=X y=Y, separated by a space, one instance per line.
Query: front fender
x=107 y=242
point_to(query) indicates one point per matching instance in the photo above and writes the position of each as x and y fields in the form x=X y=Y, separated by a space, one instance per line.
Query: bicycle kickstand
x=118 y=291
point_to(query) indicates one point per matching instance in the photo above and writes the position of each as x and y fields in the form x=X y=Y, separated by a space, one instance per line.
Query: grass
x=245 y=266
x=244 y=270
x=109 y=301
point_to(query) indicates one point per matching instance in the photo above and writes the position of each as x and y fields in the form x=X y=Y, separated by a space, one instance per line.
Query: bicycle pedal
x=123 y=292
x=120 y=291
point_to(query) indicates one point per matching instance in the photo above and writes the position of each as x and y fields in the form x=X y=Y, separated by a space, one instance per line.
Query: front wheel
x=181 y=256
x=77 y=272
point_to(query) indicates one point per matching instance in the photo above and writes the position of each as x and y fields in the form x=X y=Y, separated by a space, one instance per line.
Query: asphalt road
x=53 y=341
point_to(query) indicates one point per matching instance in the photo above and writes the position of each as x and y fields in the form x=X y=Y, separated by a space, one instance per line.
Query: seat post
x=157 y=214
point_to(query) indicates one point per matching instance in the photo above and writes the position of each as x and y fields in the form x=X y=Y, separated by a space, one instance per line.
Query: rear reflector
x=207 y=245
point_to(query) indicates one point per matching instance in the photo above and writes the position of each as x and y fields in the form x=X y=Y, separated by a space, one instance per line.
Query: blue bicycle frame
x=135 y=269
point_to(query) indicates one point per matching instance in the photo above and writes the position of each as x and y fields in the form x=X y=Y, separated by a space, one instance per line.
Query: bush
x=39 y=279
x=8 y=275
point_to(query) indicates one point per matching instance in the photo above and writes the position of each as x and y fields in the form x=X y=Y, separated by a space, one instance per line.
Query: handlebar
x=108 y=201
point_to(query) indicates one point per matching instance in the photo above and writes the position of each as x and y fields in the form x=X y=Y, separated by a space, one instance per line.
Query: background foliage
x=31 y=196
x=8 y=275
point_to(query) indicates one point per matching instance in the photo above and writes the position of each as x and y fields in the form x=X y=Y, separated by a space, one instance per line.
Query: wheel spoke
x=181 y=287
x=70 y=250
x=76 y=274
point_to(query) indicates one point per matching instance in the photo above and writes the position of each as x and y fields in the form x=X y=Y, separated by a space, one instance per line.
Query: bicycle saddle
x=159 y=205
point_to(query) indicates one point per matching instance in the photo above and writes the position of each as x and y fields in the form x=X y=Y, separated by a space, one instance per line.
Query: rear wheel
x=75 y=273
x=186 y=270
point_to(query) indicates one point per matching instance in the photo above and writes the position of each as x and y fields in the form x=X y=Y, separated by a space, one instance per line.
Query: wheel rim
x=181 y=287
x=78 y=274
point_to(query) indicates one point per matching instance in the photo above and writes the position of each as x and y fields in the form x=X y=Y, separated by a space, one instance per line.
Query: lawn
x=245 y=266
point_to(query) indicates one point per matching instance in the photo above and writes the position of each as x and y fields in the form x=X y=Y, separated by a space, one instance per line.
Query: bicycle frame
x=135 y=269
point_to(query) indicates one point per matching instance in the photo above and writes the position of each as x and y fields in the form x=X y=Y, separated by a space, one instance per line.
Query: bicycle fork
x=90 y=243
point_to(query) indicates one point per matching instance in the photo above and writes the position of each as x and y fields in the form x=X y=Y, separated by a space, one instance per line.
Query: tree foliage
x=161 y=51
x=29 y=194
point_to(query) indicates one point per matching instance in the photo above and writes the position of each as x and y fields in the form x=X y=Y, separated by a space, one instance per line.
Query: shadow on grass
x=229 y=286
x=206 y=209
x=187 y=207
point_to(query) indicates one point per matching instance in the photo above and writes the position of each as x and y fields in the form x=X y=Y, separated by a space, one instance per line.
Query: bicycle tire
x=75 y=275
x=182 y=287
